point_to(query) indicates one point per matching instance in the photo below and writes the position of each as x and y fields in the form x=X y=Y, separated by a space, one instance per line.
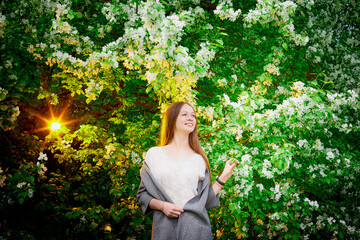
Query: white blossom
x=42 y=156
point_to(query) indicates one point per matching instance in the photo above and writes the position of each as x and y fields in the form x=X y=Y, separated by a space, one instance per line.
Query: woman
x=175 y=180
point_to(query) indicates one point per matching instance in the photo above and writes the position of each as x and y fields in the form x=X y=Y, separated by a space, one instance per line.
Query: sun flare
x=55 y=126
x=54 y=122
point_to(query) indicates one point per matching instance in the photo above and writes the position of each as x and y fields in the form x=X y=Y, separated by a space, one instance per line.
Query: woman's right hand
x=171 y=210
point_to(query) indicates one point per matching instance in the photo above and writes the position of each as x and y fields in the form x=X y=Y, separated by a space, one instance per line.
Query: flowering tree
x=274 y=84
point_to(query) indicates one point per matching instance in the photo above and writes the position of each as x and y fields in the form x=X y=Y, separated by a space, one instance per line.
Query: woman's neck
x=180 y=142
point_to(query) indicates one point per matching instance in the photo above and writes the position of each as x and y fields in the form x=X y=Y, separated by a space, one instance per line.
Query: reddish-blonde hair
x=168 y=129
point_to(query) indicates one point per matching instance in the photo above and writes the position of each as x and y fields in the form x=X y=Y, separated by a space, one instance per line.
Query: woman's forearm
x=169 y=209
x=217 y=186
x=226 y=174
x=156 y=204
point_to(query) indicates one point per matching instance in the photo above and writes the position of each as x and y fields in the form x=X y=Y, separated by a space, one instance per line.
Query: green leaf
x=70 y=15
x=78 y=14
x=296 y=236
x=69 y=215
x=158 y=7
x=148 y=89
x=30 y=179
x=169 y=42
x=285 y=46
x=220 y=41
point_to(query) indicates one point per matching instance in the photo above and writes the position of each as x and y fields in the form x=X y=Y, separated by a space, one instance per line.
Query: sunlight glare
x=55 y=126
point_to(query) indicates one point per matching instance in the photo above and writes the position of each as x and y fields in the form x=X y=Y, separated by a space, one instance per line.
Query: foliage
x=274 y=84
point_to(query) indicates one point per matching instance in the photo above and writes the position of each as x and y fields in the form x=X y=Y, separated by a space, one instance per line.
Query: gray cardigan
x=193 y=223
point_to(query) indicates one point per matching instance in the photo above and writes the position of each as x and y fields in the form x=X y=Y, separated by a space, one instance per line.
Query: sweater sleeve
x=144 y=198
x=212 y=199
x=143 y=195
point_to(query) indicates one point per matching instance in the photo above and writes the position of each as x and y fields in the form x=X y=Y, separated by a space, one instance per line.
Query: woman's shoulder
x=153 y=157
x=152 y=151
x=199 y=159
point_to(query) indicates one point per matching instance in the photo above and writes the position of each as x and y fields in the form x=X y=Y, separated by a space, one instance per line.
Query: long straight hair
x=168 y=128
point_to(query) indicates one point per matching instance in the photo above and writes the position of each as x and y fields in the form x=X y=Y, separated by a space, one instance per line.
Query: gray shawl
x=193 y=223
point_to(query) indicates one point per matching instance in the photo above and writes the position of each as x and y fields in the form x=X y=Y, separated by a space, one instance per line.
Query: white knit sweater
x=179 y=178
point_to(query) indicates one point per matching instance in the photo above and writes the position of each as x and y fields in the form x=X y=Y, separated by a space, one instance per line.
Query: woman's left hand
x=228 y=170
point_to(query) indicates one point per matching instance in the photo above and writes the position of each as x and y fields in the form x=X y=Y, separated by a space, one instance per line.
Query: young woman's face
x=186 y=120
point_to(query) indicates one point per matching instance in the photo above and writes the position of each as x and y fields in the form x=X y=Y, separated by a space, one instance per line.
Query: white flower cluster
x=267 y=173
x=243 y=172
x=93 y=58
x=313 y=204
x=204 y=56
x=276 y=192
x=109 y=151
x=272 y=69
x=42 y=156
x=242 y=100
x=299 y=105
x=105 y=59
x=22 y=184
x=253 y=16
x=278 y=12
x=208 y=147
x=93 y=89
x=65 y=144
x=157 y=29
x=329 y=154
x=61 y=10
x=2 y=178
x=339 y=56
x=15 y=113
x=206 y=112
x=150 y=76
x=225 y=10
x=30 y=192
x=135 y=158
x=303 y=107
x=302 y=98
x=41 y=168
x=222 y=82
x=281 y=91
x=260 y=186
x=9 y=63
x=109 y=11
x=12 y=112
x=96 y=61
x=64 y=27
x=13 y=77
x=244 y=188
x=275 y=216
x=245 y=158
x=303 y=143
x=29 y=189
x=340 y=99
x=54 y=99
x=237 y=131
x=321 y=168
x=3 y=93
x=155 y=45
x=2 y=24
x=318 y=145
